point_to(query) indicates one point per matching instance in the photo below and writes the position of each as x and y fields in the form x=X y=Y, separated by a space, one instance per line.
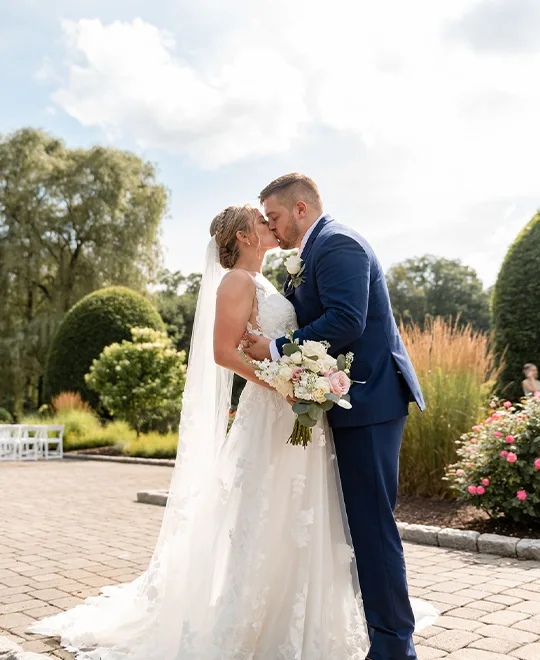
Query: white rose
x=285 y=388
x=297 y=357
x=285 y=372
x=293 y=264
x=328 y=362
x=322 y=387
x=314 y=349
x=312 y=366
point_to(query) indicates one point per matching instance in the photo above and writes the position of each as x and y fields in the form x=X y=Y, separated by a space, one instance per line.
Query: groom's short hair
x=291 y=188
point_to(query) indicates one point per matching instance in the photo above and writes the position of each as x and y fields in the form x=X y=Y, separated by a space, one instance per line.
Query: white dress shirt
x=273 y=348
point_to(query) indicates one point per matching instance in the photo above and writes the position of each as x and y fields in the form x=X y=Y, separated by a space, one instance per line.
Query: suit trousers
x=368 y=461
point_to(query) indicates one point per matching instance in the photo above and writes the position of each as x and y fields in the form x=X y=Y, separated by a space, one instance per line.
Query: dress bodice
x=276 y=314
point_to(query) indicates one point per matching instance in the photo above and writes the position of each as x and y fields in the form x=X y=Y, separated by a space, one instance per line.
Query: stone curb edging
x=456 y=539
x=461 y=539
x=157 y=497
x=120 y=459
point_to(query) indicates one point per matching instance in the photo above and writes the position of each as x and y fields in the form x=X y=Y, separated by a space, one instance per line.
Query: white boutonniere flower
x=295 y=267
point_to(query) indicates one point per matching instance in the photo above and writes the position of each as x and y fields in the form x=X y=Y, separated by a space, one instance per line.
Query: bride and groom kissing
x=268 y=551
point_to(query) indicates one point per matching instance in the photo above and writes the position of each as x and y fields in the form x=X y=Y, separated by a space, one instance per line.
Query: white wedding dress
x=253 y=561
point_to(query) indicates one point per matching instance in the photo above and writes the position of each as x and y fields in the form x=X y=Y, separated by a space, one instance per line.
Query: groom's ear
x=301 y=209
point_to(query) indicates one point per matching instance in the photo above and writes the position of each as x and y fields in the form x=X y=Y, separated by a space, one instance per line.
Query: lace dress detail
x=259 y=567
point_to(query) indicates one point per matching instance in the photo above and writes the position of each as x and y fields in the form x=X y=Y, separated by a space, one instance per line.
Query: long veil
x=129 y=619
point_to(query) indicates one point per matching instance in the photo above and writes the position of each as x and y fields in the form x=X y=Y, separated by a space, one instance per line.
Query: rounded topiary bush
x=516 y=309
x=97 y=320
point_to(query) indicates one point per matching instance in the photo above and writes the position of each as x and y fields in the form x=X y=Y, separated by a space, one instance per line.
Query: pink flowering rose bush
x=498 y=466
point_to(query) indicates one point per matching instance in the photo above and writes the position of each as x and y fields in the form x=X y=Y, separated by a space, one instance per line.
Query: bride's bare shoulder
x=236 y=283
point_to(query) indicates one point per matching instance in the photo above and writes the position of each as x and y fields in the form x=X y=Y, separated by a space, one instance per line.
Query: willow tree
x=71 y=221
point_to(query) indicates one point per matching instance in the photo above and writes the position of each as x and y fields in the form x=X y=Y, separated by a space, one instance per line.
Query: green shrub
x=499 y=463
x=516 y=309
x=78 y=426
x=140 y=380
x=96 y=321
x=153 y=445
x=455 y=369
x=5 y=416
x=114 y=433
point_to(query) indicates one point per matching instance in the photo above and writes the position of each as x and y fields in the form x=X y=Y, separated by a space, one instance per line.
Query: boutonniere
x=295 y=267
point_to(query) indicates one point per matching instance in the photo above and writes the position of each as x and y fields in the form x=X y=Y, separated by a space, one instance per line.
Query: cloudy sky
x=418 y=119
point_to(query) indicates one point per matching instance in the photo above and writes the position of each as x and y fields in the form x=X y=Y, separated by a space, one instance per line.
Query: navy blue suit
x=344 y=300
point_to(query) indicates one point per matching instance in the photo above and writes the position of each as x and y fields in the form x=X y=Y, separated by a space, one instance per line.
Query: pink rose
x=496 y=415
x=459 y=473
x=472 y=490
x=476 y=428
x=537 y=464
x=503 y=453
x=339 y=383
x=510 y=439
x=485 y=482
x=480 y=490
x=297 y=372
x=497 y=434
x=511 y=458
x=488 y=420
x=521 y=495
x=474 y=440
x=536 y=395
x=507 y=404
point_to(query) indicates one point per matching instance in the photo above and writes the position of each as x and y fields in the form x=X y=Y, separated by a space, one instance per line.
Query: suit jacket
x=344 y=300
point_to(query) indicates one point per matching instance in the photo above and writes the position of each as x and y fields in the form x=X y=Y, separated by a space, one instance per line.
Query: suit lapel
x=288 y=287
x=320 y=226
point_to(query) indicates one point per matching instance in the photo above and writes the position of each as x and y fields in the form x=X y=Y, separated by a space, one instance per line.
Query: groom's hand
x=259 y=347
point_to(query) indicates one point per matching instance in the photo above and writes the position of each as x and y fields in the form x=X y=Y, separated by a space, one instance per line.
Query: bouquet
x=315 y=380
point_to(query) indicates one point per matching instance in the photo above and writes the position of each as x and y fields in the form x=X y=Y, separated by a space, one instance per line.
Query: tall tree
x=71 y=221
x=176 y=303
x=435 y=286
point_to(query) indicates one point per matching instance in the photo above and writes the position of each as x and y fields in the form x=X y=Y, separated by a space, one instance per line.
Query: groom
x=342 y=298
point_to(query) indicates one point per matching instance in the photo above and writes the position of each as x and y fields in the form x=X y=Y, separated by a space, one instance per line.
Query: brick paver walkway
x=69 y=528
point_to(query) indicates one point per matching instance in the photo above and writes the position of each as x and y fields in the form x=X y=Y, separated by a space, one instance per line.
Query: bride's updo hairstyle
x=224 y=227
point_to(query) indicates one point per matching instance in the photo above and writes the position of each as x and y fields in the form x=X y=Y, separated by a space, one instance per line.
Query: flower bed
x=499 y=462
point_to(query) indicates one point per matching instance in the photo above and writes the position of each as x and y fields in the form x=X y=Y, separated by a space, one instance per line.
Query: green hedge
x=516 y=309
x=101 y=318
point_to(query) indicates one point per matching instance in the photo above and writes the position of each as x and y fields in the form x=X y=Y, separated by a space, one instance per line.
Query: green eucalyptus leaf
x=290 y=349
x=341 y=363
x=306 y=420
x=327 y=405
x=315 y=412
x=300 y=408
x=331 y=397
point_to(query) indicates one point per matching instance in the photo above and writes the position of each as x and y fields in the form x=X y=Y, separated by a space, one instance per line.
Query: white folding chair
x=29 y=442
x=9 y=442
x=51 y=441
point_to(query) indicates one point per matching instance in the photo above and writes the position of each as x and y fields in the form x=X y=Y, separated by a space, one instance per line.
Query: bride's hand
x=259 y=347
x=291 y=400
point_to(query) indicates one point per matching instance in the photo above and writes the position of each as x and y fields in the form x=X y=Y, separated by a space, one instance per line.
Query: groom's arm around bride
x=342 y=298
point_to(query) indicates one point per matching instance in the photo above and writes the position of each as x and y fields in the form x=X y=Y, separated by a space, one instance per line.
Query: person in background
x=531 y=384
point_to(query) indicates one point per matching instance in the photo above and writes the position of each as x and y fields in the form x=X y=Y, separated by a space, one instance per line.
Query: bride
x=253 y=560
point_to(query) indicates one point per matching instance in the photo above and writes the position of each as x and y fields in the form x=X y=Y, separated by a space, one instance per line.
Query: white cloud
x=132 y=84
x=442 y=128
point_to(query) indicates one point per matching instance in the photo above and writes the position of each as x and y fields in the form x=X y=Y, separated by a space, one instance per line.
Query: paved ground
x=69 y=528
